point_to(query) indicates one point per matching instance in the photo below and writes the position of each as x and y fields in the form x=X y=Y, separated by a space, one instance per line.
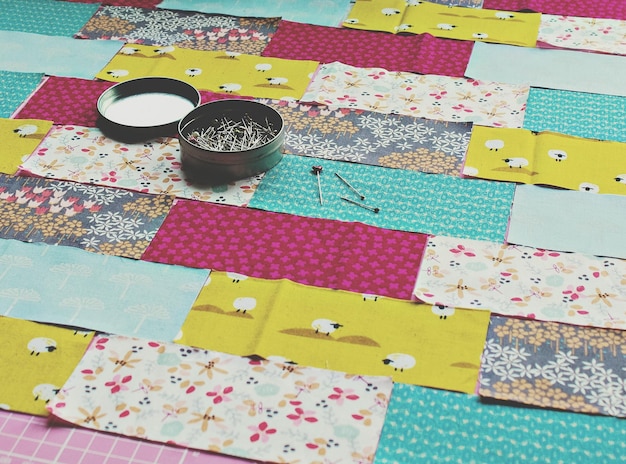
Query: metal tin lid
x=144 y=108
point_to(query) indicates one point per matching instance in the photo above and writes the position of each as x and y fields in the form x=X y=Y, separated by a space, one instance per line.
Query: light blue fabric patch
x=409 y=201
x=68 y=286
x=568 y=220
x=56 y=56
x=16 y=87
x=320 y=12
x=427 y=425
x=552 y=69
x=579 y=114
x=48 y=17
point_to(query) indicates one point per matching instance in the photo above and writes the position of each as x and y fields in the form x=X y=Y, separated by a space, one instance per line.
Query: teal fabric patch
x=47 y=17
x=579 y=114
x=407 y=200
x=427 y=425
x=16 y=87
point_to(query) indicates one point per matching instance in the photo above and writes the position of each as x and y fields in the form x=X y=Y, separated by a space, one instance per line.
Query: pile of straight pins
x=229 y=135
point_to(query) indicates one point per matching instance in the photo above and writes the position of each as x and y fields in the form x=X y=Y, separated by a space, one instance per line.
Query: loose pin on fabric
x=317 y=170
x=351 y=187
x=371 y=208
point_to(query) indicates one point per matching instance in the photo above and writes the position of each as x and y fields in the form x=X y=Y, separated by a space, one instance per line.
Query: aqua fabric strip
x=576 y=113
x=427 y=425
x=408 y=201
x=48 y=17
x=15 y=87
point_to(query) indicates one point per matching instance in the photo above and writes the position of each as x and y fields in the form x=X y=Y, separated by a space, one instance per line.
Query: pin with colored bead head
x=317 y=170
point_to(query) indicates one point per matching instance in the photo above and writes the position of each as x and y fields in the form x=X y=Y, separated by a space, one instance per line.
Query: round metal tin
x=205 y=166
x=141 y=109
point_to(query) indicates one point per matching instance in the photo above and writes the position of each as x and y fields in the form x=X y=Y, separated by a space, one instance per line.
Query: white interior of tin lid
x=148 y=109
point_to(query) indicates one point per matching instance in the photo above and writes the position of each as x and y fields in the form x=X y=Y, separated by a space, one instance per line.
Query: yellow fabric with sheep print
x=218 y=71
x=36 y=361
x=20 y=137
x=421 y=17
x=546 y=158
x=295 y=324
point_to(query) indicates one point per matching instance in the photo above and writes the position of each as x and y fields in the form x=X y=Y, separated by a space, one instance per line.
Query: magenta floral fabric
x=614 y=9
x=422 y=53
x=214 y=401
x=319 y=252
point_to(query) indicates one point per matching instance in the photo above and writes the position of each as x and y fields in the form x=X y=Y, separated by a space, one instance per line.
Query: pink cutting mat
x=30 y=439
x=318 y=252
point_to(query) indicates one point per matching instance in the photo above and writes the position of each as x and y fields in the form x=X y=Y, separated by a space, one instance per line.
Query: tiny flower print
x=460 y=249
x=339 y=395
x=300 y=415
x=261 y=432
x=118 y=383
x=218 y=394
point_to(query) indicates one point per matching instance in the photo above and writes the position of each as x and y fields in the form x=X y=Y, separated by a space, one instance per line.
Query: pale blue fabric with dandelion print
x=68 y=286
x=409 y=201
x=427 y=425
x=48 y=17
x=579 y=114
x=15 y=87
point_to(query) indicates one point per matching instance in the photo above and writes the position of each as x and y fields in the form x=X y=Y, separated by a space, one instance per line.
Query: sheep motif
x=230 y=87
x=371 y=297
x=41 y=345
x=244 y=303
x=236 y=277
x=390 y=11
x=399 y=361
x=193 y=72
x=116 y=73
x=277 y=80
x=232 y=54
x=413 y=2
x=504 y=15
x=26 y=129
x=351 y=21
x=445 y=26
x=442 y=310
x=621 y=179
x=325 y=326
x=588 y=187
x=480 y=35
x=495 y=144
x=403 y=27
x=128 y=50
x=262 y=67
x=516 y=162
x=164 y=50
x=45 y=392
x=558 y=155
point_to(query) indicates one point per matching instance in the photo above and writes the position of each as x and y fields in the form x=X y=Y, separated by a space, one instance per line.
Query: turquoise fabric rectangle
x=320 y=12
x=15 y=87
x=54 y=55
x=409 y=201
x=580 y=114
x=67 y=286
x=427 y=425
x=48 y=17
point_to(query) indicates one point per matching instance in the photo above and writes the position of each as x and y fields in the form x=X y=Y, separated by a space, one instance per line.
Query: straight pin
x=351 y=187
x=317 y=170
x=374 y=210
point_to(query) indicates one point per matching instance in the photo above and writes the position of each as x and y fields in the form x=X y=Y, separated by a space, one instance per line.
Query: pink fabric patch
x=73 y=101
x=319 y=252
x=611 y=9
x=420 y=53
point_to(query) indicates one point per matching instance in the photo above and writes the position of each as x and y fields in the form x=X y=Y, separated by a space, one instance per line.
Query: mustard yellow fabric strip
x=547 y=158
x=36 y=359
x=19 y=138
x=420 y=17
x=339 y=330
x=217 y=71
